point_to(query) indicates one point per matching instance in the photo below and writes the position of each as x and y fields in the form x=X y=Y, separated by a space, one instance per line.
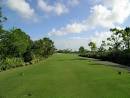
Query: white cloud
x=57 y=8
x=99 y=17
x=104 y=15
x=70 y=28
x=75 y=42
x=22 y=7
x=78 y=38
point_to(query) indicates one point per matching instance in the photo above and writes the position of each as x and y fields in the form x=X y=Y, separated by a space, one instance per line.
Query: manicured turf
x=65 y=76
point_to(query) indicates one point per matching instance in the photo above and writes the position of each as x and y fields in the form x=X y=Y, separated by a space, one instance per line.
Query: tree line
x=115 y=49
x=18 y=49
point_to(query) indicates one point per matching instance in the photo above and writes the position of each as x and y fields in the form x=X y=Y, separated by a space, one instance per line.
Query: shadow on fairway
x=75 y=59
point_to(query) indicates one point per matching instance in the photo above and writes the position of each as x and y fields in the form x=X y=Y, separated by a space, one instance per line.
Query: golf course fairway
x=65 y=76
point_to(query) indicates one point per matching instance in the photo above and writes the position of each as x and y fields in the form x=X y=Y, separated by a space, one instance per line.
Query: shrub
x=121 y=57
x=10 y=63
x=27 y=56
x=14 y=62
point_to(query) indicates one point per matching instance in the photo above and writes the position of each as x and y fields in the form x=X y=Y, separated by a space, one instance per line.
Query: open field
x=65 y=76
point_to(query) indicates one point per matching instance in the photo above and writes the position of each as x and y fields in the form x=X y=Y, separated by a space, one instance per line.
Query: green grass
x=65 y=76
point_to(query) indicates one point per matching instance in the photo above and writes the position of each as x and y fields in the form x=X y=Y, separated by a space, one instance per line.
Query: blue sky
x=69 y=23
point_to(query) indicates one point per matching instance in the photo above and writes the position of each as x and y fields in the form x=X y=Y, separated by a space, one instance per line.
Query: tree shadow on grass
x=95 y=62
x=74 y=59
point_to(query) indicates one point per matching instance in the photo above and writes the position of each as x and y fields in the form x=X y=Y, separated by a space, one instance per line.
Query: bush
x=27 y=56
x=14 y=62
x=11 y=63
x=121 y=57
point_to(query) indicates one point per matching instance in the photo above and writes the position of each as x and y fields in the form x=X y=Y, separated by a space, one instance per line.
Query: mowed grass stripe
x=65 y=76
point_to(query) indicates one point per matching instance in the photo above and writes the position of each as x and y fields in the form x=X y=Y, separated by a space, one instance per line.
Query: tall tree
x=93 y=46
x=2 y=18
x=115 y=40
x=18 y=42
x=102 y=47
x=126 y=37
x=48 y=46
x=44 y=47
x=3 y=34
x=81 y=50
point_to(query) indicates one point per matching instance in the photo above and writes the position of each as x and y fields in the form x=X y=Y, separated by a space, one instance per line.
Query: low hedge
x=121 y=57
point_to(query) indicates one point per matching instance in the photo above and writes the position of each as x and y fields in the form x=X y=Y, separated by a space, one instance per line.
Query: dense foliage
x=67 y=51
x=43 y=47
x=115 y=49
x=18 y=49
